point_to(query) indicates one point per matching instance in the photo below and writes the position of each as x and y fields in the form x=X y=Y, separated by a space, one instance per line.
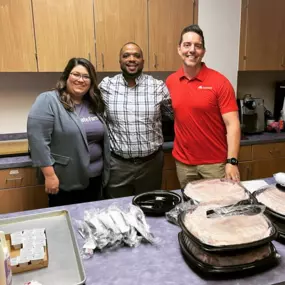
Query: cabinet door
x=268 y=151
x=18 y=177
x=64 y=29
x=266 y=168
x=262 y=34
x=17 y=50
x=245 y=170
x=22 y=199
x=167 y=18
x=116 y=23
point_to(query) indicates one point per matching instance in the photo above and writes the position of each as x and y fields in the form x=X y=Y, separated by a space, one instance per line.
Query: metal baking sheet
x=65 y=264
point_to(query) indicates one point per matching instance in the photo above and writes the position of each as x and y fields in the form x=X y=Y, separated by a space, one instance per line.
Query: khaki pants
x=187 y=173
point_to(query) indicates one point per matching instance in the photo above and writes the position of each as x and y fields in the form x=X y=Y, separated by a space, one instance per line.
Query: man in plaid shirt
x=135 y=103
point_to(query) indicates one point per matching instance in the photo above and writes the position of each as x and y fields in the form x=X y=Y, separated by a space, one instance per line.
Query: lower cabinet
x=22 y=199
x=262 y=161
x=169 y=176
x=245 y=170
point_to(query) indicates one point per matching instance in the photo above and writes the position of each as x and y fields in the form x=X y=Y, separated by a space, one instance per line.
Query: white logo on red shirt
x=205 y=87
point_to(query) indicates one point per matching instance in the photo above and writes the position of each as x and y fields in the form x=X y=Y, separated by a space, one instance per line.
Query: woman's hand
x=51 y=184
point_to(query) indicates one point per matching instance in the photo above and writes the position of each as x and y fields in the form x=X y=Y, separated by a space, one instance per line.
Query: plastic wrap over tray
x=210 y=190
x=222 y=228
x=273 y=197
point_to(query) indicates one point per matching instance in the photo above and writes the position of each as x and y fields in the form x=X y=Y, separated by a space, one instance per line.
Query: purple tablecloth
x=152 y=265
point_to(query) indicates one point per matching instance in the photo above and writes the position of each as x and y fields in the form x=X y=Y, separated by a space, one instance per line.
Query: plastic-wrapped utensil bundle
x=113 y=227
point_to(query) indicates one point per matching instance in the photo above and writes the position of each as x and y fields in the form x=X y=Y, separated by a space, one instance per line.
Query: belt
x=137 y=160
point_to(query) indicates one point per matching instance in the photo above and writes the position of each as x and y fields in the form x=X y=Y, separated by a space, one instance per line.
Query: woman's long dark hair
x=93 y=96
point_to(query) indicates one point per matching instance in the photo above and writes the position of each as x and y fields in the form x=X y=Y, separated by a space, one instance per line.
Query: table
x=148 y=264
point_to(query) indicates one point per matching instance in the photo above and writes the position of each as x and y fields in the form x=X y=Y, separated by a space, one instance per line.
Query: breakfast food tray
x=65 y=264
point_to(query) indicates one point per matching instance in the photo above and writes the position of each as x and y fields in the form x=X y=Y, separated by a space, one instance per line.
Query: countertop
x=148 y=264
x=23 y=161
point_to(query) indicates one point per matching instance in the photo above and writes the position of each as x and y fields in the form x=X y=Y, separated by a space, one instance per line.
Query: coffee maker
x=251 y=113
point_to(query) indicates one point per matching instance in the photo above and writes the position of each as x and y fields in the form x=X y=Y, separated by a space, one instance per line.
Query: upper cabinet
x=63 y=29
x=167 y=18
x=17 y=48
x=42 y=35
x=262 y=42
x=116 y=23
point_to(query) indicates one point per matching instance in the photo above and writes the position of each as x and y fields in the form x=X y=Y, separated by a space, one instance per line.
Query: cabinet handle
x=155 y=61
x=13 y=179
x=102 y=58
x=89 y=56
x=282 y=61
x=271 y=152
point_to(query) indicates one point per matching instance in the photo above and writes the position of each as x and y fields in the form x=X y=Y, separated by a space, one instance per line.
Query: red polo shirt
x=200 y=133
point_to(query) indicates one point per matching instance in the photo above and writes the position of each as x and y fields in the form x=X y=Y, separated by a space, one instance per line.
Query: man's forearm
x=233 y=140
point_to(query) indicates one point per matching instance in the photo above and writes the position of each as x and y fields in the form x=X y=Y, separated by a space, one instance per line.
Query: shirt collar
x=200 y=76
x=138 y=79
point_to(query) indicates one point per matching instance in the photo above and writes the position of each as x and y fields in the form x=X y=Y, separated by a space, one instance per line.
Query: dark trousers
x=91 y=193
x=129 y=178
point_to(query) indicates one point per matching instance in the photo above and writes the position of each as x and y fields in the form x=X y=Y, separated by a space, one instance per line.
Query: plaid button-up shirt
x=133 y=114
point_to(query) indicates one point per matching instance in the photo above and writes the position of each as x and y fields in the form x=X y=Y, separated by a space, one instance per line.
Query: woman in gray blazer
x=68 y=138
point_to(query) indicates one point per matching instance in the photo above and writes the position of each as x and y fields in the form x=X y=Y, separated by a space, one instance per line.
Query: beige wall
x=220 y=22
x=17 y=93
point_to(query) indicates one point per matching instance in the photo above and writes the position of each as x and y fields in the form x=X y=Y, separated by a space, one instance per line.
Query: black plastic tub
x=225 y=272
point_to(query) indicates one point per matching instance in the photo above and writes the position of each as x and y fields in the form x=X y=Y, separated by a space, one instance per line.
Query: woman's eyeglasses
x=78 y=76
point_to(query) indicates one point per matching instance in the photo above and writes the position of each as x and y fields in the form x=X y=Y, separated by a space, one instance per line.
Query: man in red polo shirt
x=207 y=127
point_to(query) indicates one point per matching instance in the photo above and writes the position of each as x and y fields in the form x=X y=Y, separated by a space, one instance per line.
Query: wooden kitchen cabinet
x=266 y=168
x=63 y=29
x=17 y=49
x=268 y=151
x=20 y=190
x=18 y=177
x=262 y=43
x=245 y=170
x=116 y=23
x=263 y=161
x=169 y=176
x=167 y=18
x=22 y=199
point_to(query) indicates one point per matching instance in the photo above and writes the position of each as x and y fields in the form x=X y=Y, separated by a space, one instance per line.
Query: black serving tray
x=224 y=271
x=157 y=202
x=224 y=248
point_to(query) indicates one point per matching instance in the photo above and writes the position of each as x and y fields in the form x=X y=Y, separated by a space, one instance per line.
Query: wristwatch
x=232 y=161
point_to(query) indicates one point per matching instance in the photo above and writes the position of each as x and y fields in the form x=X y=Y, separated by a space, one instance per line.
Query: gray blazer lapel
x=77 y=121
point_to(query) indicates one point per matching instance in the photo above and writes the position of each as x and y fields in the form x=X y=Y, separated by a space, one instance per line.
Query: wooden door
x=261 y=34
x=22 y=199
x=266 y=168
x=167 y=18
x=64 y=29
x=17 y=48
x=18 y=177
x=116 y=23
x=245 y=170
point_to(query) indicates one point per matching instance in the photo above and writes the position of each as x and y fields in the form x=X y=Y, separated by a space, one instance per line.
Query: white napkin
x=254 y=185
